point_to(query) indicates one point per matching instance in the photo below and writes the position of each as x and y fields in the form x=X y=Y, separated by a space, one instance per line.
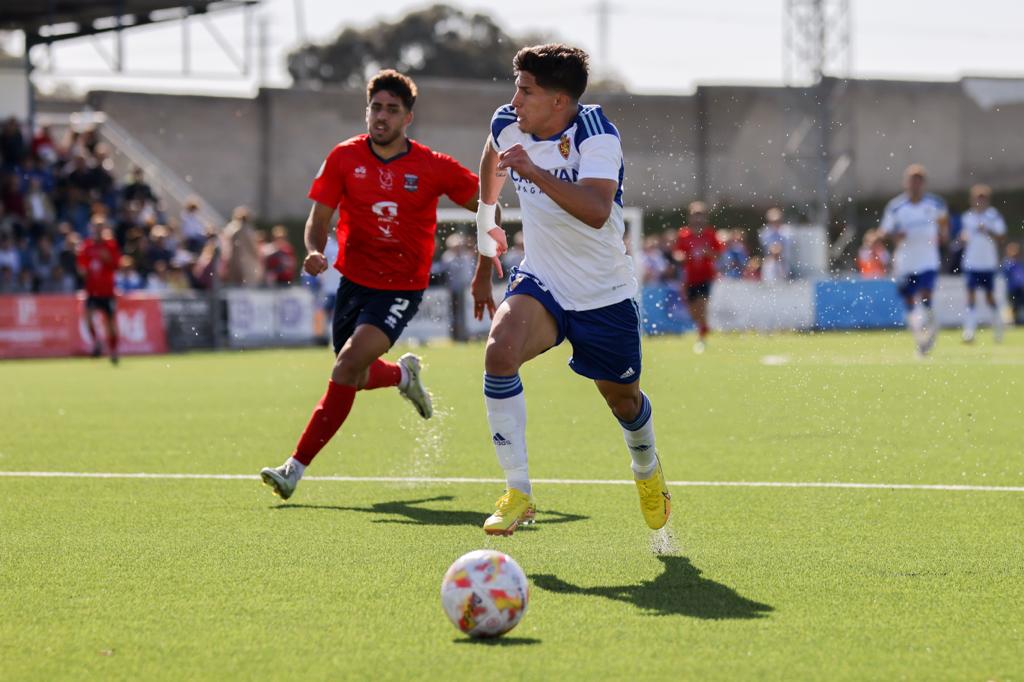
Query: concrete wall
x=727 y=143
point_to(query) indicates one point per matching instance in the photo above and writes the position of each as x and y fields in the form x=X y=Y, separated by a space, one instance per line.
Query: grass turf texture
x=173 y=579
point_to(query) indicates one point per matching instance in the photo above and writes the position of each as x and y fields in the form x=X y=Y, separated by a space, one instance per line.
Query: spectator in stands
x=207 y=263
x=137 y=189
x=193 y=229
x=873 y=257
x=734 y=259
x=1013 y=270
x=39 y=211
x=12 y=144
x=279 y=258
x=44 y=262
x=654 y=262
x=159 y=249
x=67 y=253
x=515 y=253
x=43 y=146
x=776 y=232
x=458 y=263
x=128 y=278
x=752 y=270
x=8 y=280
x=9 y=256
x=240 y=252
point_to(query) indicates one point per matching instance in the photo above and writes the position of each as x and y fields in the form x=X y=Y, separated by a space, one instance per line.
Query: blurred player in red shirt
x=697 y=249
x=385 y=188
x=98 y=258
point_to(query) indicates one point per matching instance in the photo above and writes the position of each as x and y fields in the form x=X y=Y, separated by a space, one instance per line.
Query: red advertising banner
x=54 y=326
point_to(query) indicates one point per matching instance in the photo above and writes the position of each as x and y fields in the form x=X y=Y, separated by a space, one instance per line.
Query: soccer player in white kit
x=916 y=223
x=575 y=281
x=983 y=229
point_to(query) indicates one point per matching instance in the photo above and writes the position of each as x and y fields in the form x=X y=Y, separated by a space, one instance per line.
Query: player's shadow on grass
x=418 y=515
x=678 y=591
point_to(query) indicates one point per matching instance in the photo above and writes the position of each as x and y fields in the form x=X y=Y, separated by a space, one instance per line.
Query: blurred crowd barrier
x=54 y=325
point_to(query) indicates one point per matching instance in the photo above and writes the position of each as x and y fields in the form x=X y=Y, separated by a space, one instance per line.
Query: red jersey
x=98 y=259
x=387 y=210
x=701 y=249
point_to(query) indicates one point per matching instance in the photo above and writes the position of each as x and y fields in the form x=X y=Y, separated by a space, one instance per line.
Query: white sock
x=506 y=414
x=297 y=465
x=639 y=435
x=970 y=321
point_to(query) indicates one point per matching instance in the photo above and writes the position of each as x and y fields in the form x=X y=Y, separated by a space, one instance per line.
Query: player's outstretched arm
x=318 y=225
x=589 y=200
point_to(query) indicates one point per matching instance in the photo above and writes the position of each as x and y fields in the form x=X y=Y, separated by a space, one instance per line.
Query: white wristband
x=485 y=221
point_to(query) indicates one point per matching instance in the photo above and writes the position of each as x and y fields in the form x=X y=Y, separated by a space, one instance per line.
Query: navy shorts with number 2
x=389 y=311
x=605 y=341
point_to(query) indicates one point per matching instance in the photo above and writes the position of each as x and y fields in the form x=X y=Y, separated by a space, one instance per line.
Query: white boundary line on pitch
x=546 y=481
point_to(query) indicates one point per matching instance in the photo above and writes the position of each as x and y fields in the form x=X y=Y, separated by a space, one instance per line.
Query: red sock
x=703 y=330
x=383 y=374
x=327 y=418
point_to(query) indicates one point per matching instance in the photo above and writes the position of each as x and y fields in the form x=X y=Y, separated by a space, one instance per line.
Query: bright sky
x=656 y=46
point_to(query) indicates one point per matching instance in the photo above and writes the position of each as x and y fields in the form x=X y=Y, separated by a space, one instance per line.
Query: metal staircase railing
x=169 y=185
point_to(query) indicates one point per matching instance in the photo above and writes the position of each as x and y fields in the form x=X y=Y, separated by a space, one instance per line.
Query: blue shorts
x=981 y=279
x=387 y=310
x=919 y=282
x=605 y=341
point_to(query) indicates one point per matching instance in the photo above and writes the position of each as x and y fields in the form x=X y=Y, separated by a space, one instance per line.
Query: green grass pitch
x=216 y=579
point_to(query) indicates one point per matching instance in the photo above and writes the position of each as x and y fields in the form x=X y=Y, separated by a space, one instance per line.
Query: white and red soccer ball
x=484 y=593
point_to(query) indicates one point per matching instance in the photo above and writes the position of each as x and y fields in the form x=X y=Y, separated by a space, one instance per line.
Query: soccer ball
x=484 y=593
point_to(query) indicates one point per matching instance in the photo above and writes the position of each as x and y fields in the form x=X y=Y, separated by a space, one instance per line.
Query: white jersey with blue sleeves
x=918 y=224
x=584 y=268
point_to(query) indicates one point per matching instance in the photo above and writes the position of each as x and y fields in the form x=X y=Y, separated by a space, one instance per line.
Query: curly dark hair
x=556 y=67
x=398 y=84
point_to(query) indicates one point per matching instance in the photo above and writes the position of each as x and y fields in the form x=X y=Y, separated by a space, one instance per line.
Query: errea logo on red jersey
x=359 y=172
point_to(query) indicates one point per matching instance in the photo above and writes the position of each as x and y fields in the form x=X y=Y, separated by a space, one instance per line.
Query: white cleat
x=414 y=391
x=699 y=347
x=283 y=479
x=968 y=335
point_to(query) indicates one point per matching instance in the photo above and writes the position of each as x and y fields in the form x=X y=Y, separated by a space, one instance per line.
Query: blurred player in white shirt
x=982 y=234
x=575 y=281
x=916 y=223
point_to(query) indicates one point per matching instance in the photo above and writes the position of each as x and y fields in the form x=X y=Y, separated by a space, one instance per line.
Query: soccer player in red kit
x=696 y=249
x=98 y=257
x=385 y=188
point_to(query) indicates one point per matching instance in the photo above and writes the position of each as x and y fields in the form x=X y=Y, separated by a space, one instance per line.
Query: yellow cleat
x=513 y=508
x=655 y=500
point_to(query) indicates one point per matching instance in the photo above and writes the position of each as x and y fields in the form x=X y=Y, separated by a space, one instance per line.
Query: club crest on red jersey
x=563 y=146
x=387 y=178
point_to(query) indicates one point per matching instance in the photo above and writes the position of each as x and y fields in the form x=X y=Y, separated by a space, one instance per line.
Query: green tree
x=440 y=41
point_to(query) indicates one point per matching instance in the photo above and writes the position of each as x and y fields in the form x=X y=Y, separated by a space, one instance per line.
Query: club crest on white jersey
x=584 y=267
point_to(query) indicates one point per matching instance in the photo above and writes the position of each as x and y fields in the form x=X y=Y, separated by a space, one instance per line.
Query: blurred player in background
x=696 y=249
x=981 y=234
x=98 y=260
x=385 y=188
x=917 y=223
x=575 y=281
